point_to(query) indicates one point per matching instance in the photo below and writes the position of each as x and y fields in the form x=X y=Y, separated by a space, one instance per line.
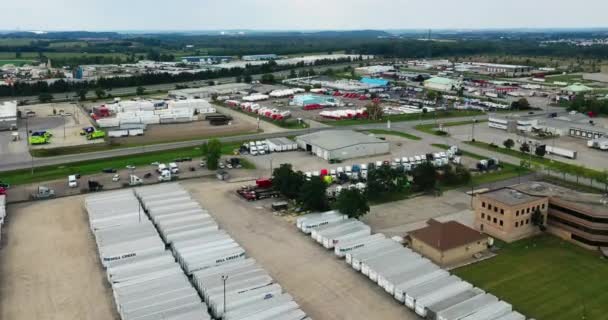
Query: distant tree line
x=61 y=86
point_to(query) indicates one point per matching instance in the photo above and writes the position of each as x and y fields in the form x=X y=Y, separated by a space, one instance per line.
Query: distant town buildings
x=260 y=57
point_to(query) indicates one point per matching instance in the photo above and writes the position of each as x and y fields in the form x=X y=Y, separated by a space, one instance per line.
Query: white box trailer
x=427 y=288
x=354 y=258
x=513 y=315
x=408 y=272
x=491 y=311
x=245 y=311
x=216 y=294
x=271 y=313
x=312 y=216
x=432 y=310
x=357 y=262
x=421 y=304
x=308 y=225
x=296 y=314
x=202 y=262
x=132 y=249
x=238 y=300
x=466 y=308
x=400 y=290
x=344 y=247
x=161 y=202
x=355 y=232
x=320 y=231
x=570 y=154
x=226 y=269
x=174 y=207
x=379 y=274
x=368 y=248
x=383 y=262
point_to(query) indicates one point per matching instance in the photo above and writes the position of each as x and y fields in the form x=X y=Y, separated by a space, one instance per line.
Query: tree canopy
x=353 y=203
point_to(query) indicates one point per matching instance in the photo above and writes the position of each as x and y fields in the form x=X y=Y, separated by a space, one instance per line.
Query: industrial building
x=207 y=59
x=311 y=99
x=260 y=57
x=579 y=217
x=342 y=144
x=8 y=115
x=576 y=126
x=576 y=88
x=507 y=70
x=441 y=84
x=448 y=243
x=207 y=92
x=374 y=82
x=507 y=213
x=373 y=70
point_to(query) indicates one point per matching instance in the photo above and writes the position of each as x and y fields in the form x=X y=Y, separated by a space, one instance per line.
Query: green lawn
x=394 y=133
x=545 y=278
x=405 y=117
x=95 y=166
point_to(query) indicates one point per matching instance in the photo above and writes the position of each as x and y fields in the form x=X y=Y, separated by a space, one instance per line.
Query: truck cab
x=253 y=151
x=161 y=167
x=173 y=167
x=72 y=181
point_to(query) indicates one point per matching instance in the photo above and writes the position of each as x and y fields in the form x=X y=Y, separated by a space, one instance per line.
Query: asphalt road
x=407 y=126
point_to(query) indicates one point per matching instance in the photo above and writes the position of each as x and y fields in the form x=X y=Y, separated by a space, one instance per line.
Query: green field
x=95 y=166
x=394 y=133
x=16 y=62
x=405 y=117
x=545 y=278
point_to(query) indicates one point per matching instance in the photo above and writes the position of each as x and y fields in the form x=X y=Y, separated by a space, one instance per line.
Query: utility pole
x=473 y=130
x=224 y=278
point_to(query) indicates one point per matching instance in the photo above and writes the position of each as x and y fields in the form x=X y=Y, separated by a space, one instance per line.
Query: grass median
x=47 y=173
x=545 y=278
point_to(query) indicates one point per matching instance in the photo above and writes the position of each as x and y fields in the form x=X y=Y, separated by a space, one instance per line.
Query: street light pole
x=224 y=278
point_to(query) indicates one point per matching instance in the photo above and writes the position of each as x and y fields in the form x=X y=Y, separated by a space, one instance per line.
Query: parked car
x=109 y=170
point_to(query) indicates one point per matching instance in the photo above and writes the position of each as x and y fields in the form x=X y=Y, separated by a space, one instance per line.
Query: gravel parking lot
x=324 y=286
x=49 y=268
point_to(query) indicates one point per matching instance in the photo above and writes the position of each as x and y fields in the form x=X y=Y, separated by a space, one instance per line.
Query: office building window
x=483 y=204
x=517 y=213
x=502 y=211
x=528 y=210
x=489 y=206
x=483 y=215
x=543 y=206
x=501 y=223
x=516 y=224
x=495 y=220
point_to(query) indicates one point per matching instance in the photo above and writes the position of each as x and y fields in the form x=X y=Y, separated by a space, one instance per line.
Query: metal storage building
x=342 y=144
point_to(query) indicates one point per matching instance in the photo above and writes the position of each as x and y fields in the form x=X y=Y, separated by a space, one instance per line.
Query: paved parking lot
x=591 y=158
x=324 y=286
x=49 y=268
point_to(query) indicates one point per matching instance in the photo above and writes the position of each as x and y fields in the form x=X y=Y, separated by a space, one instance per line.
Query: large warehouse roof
x=8 y=109
x=338 y=139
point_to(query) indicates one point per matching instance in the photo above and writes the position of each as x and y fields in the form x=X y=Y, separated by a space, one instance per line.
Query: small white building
x=441 y=84
x=8 y=115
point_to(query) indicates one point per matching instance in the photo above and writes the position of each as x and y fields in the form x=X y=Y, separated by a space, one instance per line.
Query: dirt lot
x=189 y=131
x=49 y=267
x=324 y=286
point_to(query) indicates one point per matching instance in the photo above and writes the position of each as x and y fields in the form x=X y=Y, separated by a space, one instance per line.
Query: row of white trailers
x=2 y=214
x=410 y=278
x=147 y=283
x=204 y=254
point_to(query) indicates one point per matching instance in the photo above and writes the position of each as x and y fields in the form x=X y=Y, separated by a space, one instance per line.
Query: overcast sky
x=299 y=14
